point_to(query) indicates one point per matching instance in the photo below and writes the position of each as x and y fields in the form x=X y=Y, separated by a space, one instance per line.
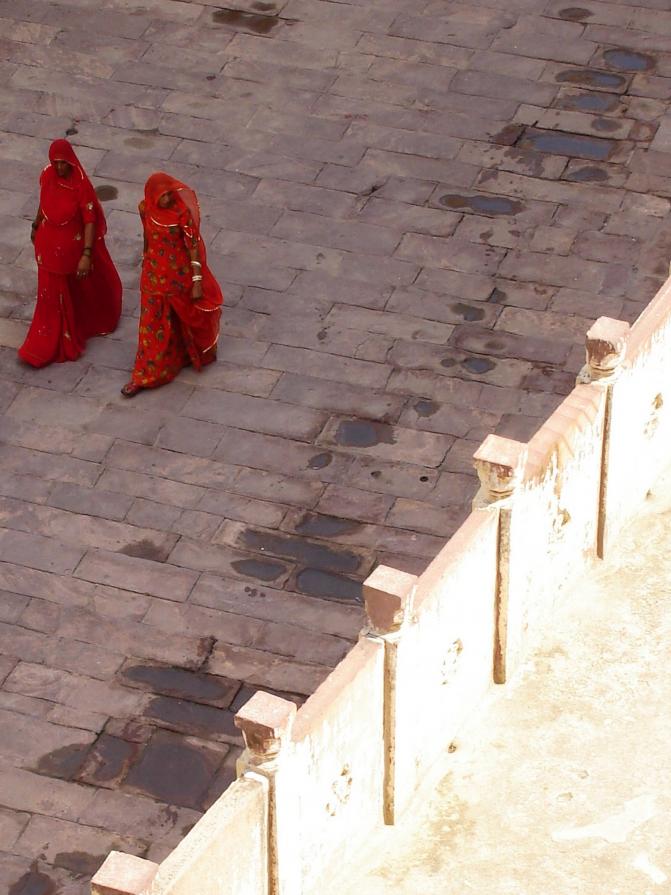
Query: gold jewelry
x=196 y=264
x=196 y=278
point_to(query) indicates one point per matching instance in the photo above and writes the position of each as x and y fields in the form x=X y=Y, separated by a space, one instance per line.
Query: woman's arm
x=39 y=217
x=193 y=249
x=84 y=266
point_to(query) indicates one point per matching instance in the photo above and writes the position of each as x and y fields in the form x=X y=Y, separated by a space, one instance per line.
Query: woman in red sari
x=78 y=287
x=180 y=301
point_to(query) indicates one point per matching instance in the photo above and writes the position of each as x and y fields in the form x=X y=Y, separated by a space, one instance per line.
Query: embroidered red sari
x=69 y=310
x=174 y=330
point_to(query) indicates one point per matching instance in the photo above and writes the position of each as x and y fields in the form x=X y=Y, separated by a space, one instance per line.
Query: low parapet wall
x=314 y=785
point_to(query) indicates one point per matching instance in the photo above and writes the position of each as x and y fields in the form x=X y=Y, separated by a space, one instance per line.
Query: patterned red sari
x=174 y=330
x=69 y=310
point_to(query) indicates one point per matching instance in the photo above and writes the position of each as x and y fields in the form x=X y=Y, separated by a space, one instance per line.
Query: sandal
x=130 y=389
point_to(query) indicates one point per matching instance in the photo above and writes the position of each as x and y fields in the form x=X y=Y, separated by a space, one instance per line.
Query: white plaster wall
x=445 y=653
x=640 y=428
x=554 y=520
x=226 y=852
x=329 y=785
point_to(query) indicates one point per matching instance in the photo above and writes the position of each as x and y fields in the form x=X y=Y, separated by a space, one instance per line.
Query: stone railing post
x=500 y=464
x=123 y=874
x=388 y=597
x=605 y=348
x=266 y=722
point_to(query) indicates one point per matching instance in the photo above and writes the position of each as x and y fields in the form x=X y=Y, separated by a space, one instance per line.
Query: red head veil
x=184 y=198
x=62 y=151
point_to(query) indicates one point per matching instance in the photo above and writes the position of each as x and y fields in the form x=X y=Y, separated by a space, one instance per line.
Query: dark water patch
x=573 y=145
x=575 y=14
x=263 y=7
x=508 y=136
x=591 y=77
x=108 y=761
x=448 y=362
x=315 y=525
x=628 y=60
x=478 y=365
x=106 y=192
x=146 y=549
x=375 y=474
x=192 y=718
x=320 y=461
x=300 y=550
x=71 y=131
x=467 y=312
x=590 y=102
x=328 y=586
x=589 y=174
x=424 y=407
x=606 y=125
x=363 y=434
x=264 y=570
x=424 y=478
x=79 y=862
x=488 y=205
x=183 y=684
x=63 y=763
x=33 y=883
x=175 y=771
x=498 y=296
x=245 y=21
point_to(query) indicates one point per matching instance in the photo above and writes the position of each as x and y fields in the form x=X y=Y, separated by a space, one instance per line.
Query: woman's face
x=63 y=168
x=165 y=200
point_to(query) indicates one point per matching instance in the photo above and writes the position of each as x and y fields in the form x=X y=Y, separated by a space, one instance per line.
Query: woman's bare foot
x=130 y=389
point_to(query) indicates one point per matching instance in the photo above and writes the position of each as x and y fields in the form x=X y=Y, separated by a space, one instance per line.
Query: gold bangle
x=196 y=278
x=196 y=264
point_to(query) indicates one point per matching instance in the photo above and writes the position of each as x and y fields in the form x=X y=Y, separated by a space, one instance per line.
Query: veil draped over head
x=185 y=200
x=58 y=203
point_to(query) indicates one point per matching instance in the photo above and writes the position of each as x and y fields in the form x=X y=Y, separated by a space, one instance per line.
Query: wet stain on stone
x=71 y=131
x=245 y=21
x=322 y=334
x=264 y=570
x=591 y=77
x=138 y=142
x=508 y=135
x=79 y=862
x=467 y=312
x=363 y=434
x=375 y=474
x=63 y=763
x=183 y=684
x=573 y=145
x=192 y=718
x=328 y=586
x=607 y=125
x=628 y=60
x=108 y=760
x=590 y=102
x=488 y=205
x=175 y=771
x=424 y=478
x=424 y=407
x=263 y=7
x=105 y=192
x=575 y=14
x=300 y=550
x=448 y=362
x=320 y=461
x=317 y=526
x=478 y=364
x=587 y=175
x=210 y=77
x=145 y=549
x=498 y=296
x=33 y=883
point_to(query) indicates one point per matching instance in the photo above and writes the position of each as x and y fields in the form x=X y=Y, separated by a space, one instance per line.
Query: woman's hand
x=197 y=291
x=84 y=266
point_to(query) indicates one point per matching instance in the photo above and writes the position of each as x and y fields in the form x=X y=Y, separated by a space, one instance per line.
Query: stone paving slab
x=415 y=211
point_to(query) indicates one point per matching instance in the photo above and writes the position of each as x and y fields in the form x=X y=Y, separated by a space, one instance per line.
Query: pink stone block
x=265 y=721
x=123 y=874
x=387 y=593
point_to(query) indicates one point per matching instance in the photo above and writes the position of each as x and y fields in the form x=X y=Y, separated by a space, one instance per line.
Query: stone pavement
x=563 y=784
x=416 y=210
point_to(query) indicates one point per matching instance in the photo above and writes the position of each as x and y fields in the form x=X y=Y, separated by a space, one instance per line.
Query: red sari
x=174 y=330
x=69 y=310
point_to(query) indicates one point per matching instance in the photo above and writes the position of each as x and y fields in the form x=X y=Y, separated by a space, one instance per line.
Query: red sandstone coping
x=656 y=316
x=265 y=720
x=387 y=593
x=123 y=874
